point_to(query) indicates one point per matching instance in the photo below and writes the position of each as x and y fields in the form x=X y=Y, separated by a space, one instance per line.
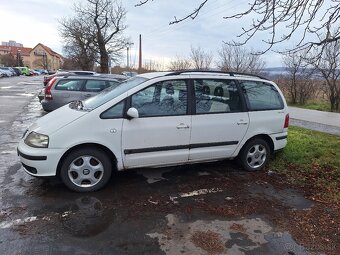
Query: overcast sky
x=33 y=21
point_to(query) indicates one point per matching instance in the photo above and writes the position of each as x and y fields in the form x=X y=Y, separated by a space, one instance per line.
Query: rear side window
x=261 y=96
x=72 y=85
x=95 y=86
x=216 y=96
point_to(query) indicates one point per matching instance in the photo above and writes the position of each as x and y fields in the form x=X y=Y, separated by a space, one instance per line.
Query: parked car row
x=20 y=70
x=9 y=71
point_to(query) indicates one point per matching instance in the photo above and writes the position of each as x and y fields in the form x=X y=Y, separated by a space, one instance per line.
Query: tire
x=254 y=155
x=86 y=170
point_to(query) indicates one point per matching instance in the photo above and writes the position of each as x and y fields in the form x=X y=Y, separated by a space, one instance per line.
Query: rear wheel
x=86 y=169
x=254 y=155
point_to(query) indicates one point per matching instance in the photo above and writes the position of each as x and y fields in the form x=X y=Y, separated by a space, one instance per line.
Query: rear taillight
x=48 y=94
x=286 y=121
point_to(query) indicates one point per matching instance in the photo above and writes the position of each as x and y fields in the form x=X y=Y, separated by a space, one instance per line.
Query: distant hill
x=276 y=72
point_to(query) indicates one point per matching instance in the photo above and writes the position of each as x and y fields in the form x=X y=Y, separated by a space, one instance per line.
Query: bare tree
x=180 y=63
x=7 y=60
x=200 y=58
x=328 y=65
x=301 y=84
x=297 y=16
x=103 y=22
x=79 y=42
x=152 y=66
x=239 y=59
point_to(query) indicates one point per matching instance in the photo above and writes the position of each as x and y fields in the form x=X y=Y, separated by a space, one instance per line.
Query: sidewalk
x=327 y=122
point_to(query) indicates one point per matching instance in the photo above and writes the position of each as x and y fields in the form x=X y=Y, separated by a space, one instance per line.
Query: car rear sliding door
x=220 y=123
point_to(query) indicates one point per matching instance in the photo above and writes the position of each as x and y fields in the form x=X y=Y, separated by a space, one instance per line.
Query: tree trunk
x=104 y=56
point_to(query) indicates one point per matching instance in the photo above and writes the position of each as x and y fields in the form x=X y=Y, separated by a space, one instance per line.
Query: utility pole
x=140 y=53
x=127 y=58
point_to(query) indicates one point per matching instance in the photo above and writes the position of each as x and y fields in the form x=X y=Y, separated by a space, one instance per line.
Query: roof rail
x=211 y=71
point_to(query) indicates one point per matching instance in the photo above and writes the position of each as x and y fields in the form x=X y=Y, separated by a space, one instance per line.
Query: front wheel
x=254 y=155
x=86 y=169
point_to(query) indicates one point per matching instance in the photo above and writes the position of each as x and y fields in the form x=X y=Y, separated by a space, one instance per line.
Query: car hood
x=55 y=120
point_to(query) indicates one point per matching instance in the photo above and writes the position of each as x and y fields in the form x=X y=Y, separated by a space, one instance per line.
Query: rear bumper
x=48 y=105
x=279 y=140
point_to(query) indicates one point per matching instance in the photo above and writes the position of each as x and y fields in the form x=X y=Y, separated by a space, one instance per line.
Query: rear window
x=261 y=96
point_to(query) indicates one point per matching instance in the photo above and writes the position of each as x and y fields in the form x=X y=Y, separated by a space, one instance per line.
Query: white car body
x=153 y=141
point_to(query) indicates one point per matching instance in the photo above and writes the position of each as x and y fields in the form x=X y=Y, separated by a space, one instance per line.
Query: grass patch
x=320 y=106
x=311 y=160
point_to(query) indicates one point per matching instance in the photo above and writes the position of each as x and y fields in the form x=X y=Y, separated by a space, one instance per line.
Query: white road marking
x=25 y=94
x=8 y=87
x=29 y=83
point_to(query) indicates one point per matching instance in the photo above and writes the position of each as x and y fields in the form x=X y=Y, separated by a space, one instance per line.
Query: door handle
x=88 y=95
x=182 y=126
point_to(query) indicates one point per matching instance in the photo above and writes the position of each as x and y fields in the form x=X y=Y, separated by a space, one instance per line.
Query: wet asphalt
x=213 y=208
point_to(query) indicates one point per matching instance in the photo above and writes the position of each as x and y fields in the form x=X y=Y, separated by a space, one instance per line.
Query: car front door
x=220 y=123
x=160 y=135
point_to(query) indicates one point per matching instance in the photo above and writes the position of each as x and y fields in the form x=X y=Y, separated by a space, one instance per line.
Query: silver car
x=63 y=90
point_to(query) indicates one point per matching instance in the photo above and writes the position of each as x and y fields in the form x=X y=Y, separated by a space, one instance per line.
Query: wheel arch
x=108 y=152
x=265 y=137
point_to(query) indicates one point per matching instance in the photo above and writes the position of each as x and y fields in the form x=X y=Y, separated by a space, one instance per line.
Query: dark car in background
x=63 y=90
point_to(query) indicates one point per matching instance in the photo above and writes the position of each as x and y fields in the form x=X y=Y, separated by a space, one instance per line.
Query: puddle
x=242 y=236
x=287 y=196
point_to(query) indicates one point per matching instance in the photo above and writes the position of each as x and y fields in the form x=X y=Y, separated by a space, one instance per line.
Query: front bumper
x=39 y=161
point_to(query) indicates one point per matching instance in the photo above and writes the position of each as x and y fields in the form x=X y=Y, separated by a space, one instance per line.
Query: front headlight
x=37 y=140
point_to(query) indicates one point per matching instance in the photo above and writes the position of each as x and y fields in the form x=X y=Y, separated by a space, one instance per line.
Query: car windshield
x=112 y=92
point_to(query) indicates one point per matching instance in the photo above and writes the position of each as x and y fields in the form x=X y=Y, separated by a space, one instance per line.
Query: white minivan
x=158 y=119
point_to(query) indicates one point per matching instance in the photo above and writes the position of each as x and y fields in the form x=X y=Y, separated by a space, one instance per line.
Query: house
x=39 y=57
x=43 y=57
x=16 y=51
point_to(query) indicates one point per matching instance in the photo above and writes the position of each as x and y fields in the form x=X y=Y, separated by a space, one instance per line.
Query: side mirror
x=132 y=113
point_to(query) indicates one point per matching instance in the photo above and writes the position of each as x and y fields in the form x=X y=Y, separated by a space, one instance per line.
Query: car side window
x=114 y=112
x=164 y=98
x=113 y=83
x=71 y=85
x=95 y=85
x=261 y=96
x=216 y=96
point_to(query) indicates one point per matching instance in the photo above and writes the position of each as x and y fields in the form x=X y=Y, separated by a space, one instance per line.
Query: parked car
x=7 y=71
x=41 y=71
x=17 y=71
x=24 y=70
x=158 y=119
x=63 y=90
x=2 y=74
